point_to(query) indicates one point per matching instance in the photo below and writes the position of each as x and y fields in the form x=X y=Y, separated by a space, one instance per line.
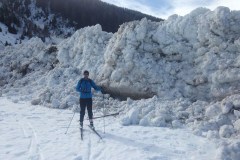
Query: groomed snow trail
x=38 y=133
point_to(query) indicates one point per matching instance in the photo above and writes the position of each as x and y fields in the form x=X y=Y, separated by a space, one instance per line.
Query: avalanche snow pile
x=196 y=56
x=49 y=74
x=187 y=66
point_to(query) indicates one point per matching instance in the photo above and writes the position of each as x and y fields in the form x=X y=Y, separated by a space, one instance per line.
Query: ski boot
x=91 y=125
x=81 y=125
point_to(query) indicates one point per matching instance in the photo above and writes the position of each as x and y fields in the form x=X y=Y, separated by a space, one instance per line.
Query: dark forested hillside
x=46 y=18
x=91 y=12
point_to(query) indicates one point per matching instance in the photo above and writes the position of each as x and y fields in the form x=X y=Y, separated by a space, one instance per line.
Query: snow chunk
x=131 y=117
x=212 y=134
x=227 y=107
x=177 y=124
x=237 y=113
x=226 y=131
x=55 y=103
x=35 y=101
x=159 y=122
x=213 y=110
x=237 y=125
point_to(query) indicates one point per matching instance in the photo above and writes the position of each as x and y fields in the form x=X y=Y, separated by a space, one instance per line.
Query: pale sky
x=165 y=8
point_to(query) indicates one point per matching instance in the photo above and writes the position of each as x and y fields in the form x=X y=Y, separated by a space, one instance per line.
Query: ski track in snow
x=37 y=133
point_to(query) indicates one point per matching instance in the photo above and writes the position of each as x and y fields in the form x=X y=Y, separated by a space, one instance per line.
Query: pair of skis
x=94 y=131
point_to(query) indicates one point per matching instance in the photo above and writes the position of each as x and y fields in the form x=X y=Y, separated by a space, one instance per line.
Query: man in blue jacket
x=84 y=86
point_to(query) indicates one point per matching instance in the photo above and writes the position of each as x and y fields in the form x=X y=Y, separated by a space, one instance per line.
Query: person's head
x=86 y=74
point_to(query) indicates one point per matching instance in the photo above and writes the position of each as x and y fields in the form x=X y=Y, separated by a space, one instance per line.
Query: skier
x=84 y=87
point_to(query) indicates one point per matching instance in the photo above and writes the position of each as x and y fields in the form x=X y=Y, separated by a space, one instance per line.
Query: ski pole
x=103 y=114
x=70 y=123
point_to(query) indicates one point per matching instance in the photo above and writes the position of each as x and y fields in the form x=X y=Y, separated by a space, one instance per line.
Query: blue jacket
x=84 y=86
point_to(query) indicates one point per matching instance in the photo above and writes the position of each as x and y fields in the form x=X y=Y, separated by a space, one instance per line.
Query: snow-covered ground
x=37 y=132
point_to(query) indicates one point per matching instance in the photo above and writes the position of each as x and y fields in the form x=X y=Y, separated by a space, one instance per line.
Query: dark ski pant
x=86 y=103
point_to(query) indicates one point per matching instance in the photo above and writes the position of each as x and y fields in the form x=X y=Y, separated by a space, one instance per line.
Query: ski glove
x=103 y=90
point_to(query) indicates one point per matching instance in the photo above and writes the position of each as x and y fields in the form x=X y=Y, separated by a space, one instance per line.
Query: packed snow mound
x=84 y=50
x=22 y=59
x=196 y=56
x=48 y=74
